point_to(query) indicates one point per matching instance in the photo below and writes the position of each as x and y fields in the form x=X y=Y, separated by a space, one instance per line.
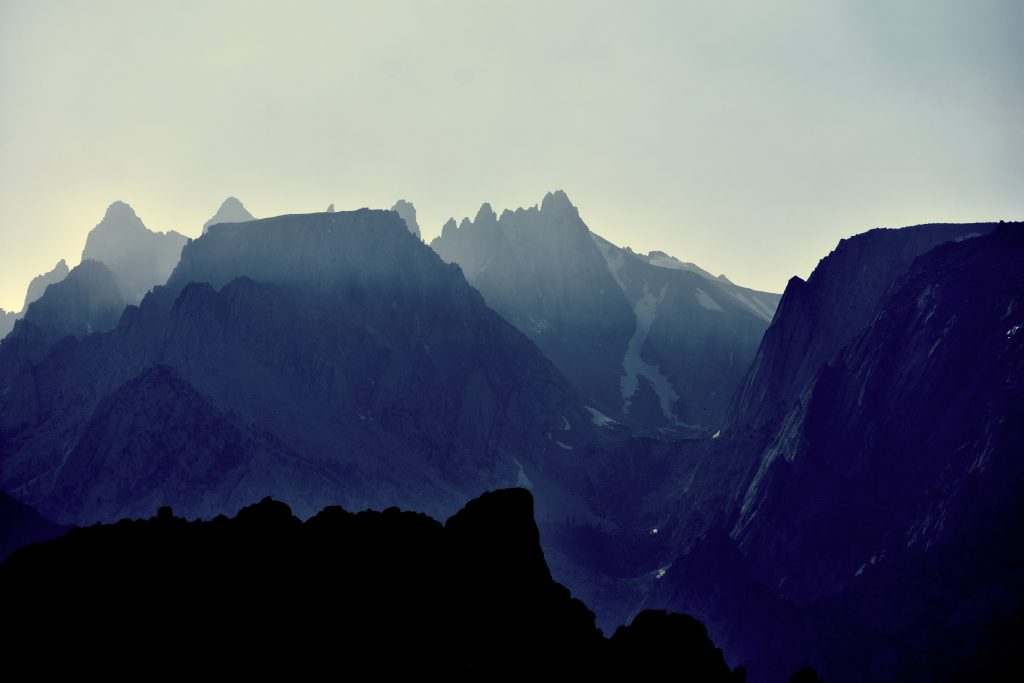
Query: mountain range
x=829 y=480
x=649 y=339
x=318 y=358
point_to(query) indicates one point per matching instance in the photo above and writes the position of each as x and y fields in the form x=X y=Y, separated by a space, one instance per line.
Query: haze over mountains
x=649 y=339
x=36 y=288
x=830 y=479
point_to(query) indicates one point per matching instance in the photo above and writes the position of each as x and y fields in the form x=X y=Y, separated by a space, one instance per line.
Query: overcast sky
x=746 y=137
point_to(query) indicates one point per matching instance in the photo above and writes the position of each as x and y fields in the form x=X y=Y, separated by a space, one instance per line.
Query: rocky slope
x=7 y=319
x=821 y=316
x=868 y=528
x=318 y=358
x=38 y=286
x=87 y=301
x=35 y=290
x=646 y=339
x=408 y=213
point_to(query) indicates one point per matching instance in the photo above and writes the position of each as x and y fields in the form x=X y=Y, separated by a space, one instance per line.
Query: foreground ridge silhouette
x=385 y=591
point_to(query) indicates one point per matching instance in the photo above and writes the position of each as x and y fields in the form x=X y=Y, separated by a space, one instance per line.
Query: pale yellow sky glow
x=746 y=138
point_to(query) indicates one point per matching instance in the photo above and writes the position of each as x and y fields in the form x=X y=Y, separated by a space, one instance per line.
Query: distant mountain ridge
x=36 y=288
x=661 y=342
x=315 y=358
x=139 y=258
x=231 y=211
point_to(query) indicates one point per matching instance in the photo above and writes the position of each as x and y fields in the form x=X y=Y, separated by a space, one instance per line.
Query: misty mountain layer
x=36 y=288
x=139 y=258
x=319 y=358
x=650 y=338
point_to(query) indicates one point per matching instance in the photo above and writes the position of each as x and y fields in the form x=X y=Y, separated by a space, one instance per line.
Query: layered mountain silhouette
x=658 y=341
x=7 y=320
x=139 y=258
x=36 y=288
x=316 y=358
x=231 y=211
x=38 y=285
x=861 y=511
x=399 y=592
x=838 y=489
x=87 y=301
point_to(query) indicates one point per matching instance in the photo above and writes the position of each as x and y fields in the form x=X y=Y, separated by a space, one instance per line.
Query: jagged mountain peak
x=557 y=201
x=485 y=214
x=120 y=216
x=88 y=300
x=41 y=282
x=139 y=257
x=231 y=211
x=408 y=213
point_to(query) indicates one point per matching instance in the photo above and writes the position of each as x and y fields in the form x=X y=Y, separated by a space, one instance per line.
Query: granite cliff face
x=819 y=317
x=650 y=340
x=139 y=258
x=317 y=358
x=869 y=520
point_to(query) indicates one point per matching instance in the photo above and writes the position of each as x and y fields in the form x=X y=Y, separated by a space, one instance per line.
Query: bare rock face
x=318 y=358
x=648 y=339
x=864 y=496
x=408 y=213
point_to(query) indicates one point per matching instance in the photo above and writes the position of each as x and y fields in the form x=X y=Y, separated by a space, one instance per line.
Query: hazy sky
x=746 y=137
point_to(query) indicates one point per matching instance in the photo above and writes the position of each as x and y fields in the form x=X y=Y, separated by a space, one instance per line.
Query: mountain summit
x=230 y=211
x=138 y=257
x=408 y=213
x=661 y=346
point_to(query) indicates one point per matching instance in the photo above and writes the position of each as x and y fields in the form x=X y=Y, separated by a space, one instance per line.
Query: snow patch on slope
x=613 y=257
x=706 y=301
x=522 y=480
x=598 y=418
x=635 y=367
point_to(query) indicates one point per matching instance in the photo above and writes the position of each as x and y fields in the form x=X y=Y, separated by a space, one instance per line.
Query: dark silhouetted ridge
x=383 y=592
